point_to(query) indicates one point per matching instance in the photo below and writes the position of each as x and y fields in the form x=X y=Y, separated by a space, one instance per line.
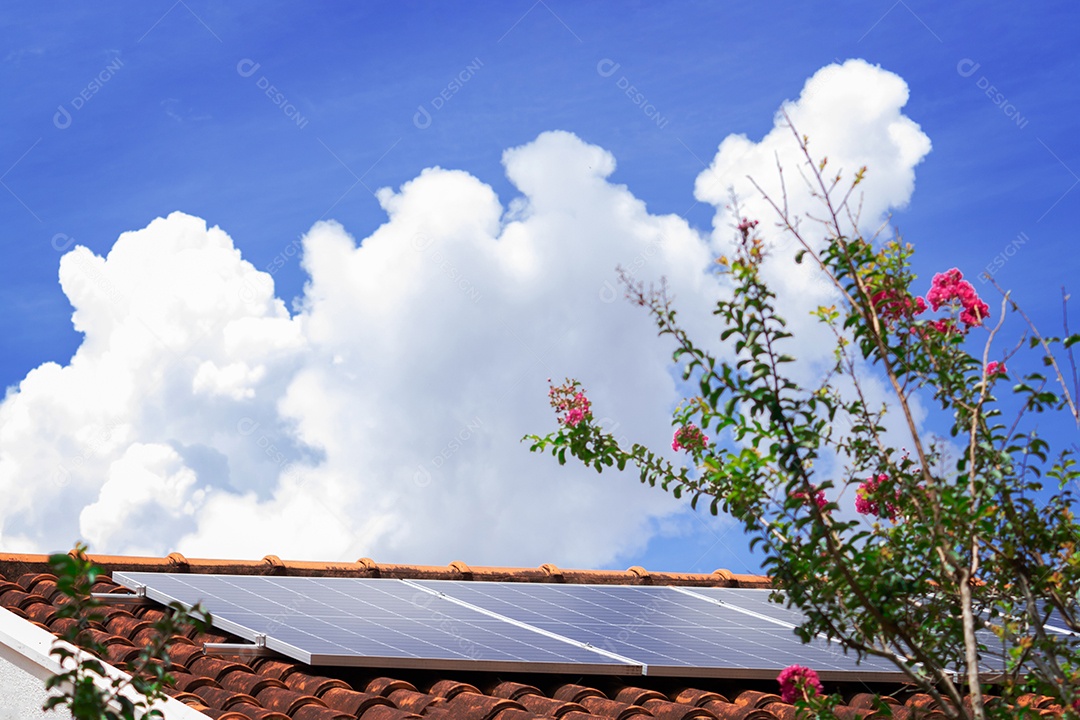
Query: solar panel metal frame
x=163 y=588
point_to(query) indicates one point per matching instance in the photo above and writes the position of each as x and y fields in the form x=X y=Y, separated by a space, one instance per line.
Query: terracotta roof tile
x=516 y=714
x=612 y=708
x=549 y=706
x=254 y=712
x=731 y=711
x=386 y=685
x=384 y=712
x=312 y=684
x=513 y=690
x=221 y=698
x=637 y=696
x=667 y=710
x=576 y=693
x=450 y=689
x=413 y=701
x=473 y=706
x=285 y=700
x=316 y=712
x=248 y=683
x=352 y=702
x=277 y=669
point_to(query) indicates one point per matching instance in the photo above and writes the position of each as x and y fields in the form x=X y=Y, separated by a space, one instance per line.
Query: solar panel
x=752 y=600
x=757 y=601
x=371 y=623
x=668 y=631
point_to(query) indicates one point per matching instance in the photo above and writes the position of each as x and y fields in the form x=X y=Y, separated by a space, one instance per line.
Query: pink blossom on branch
x=689 y=437
x=798 y=683
x=995 y=368
x=819 y=497
x=570 y=402
x=747 y=225
x=867 y=505
x=893 y=305
x=950 y=288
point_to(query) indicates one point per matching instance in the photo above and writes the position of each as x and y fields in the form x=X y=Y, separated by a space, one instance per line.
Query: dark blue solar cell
x=388 y=623
x=669 y=631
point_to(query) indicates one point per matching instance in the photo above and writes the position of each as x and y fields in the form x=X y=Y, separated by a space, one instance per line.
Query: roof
x=233 y=688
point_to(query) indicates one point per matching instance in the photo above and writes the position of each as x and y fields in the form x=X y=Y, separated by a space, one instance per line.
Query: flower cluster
x=570 y=401
x=995 y=368
x=689 y=437
x=893 y=305
x=867 y=505
x=951 y=286
x=747 y=225
x=798 y=683
x=818 y=496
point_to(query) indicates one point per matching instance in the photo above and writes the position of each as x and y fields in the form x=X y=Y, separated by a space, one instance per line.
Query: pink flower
x=951 y=286
x=798 y=683
x=994 y=368
x=867 y=505
x=689 y=437
x=747 y=225
x=819 y=497
x=893 y=305
x=571 y=403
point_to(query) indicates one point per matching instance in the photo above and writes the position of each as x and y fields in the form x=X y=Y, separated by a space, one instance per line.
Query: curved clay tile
x=515 y=714
x=578 y=716
x=757 y=699
x=315 y=685
x=121 y=655
x=450 y=689
x=638 y=696
x=513 y=690
x=182 y=651
x=667 y=710
x=277 y=669
x=214 y=667
x=31 y=581
x=43 y=614
x=575 y=693
x=611 y=708
x=542 y=705
x=46 y=588
x=186 y=682
x=696 y=697
x=286 y=701
x=254 y=712
x=386 y=685
x=248 y=683
x=126 y=624
x=316 y=712
x=383 y=712
x=415 y=702
x=352 y=702
x=868 y=701
x=473 y=706
x=221 y=698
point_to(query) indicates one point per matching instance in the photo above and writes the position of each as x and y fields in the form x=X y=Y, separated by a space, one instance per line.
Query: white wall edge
x=27 y=647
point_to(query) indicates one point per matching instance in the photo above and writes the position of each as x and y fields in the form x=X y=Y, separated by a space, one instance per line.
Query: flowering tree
x=947 y=558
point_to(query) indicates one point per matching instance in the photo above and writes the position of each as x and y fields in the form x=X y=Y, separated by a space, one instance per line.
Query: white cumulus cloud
x=383 y=418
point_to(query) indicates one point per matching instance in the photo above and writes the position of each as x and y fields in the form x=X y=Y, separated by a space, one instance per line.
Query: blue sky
x=266 y=120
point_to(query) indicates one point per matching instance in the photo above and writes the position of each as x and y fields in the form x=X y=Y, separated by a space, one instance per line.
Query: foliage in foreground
x=947 y=556
x=84 y=687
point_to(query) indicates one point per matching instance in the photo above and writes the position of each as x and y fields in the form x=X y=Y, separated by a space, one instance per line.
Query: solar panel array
x=528 y=627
